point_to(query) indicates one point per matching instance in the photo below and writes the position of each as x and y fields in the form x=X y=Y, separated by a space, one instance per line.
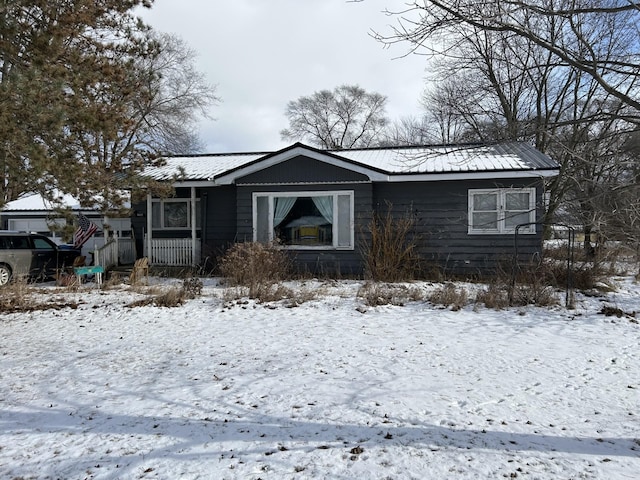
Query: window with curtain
x=304 y=219
x=502 y=210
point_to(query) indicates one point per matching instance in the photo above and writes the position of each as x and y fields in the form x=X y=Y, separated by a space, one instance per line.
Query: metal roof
x=452 y=158
x=396 y=161
x=200 y=167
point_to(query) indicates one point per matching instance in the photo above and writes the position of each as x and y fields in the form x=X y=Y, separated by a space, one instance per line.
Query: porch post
x=105 y=231
x=149 y=225
x=193 y=225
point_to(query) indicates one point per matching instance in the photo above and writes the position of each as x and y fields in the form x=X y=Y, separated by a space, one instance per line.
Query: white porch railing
x=176 y=252
x=107 y=255
x=115 y=251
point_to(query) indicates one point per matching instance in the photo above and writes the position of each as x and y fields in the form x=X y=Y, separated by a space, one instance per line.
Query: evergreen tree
x=79 y=82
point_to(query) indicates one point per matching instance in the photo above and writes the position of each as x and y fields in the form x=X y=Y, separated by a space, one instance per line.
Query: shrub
x=192 y=287
x=18 y=296
x=534 y=294
x=449 y=295
x=15 y=296
x=255 y=265
x=494 y=296
x=174 y=297
x=375 y=294
x=389 y=248
x=271 y=293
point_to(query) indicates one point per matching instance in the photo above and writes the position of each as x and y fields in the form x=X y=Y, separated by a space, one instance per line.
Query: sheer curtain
x=325 y=206
x=281 y=207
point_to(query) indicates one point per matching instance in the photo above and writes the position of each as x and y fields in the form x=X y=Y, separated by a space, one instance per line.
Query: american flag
x=86 y=228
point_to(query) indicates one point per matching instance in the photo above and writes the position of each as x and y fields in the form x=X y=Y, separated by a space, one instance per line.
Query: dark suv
x=31 y=255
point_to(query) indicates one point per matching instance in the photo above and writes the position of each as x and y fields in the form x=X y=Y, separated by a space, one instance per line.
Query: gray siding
x=440 y=210
x=302 y=170
x=219 y=219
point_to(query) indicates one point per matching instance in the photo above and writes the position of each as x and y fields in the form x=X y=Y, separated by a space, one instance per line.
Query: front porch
x=166 y=252
x=167 y=232
x=177 y=215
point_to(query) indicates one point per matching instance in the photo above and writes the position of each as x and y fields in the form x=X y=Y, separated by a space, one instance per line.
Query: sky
x=260 y=55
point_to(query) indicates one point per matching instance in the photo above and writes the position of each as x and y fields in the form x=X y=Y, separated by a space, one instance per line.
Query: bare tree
x=179 y=93
x=496 y=74
x=410 y=131
x=597 y=38
x=347 y=117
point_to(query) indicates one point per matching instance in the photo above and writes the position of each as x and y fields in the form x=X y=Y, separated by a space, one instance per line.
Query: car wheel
x=5 y=275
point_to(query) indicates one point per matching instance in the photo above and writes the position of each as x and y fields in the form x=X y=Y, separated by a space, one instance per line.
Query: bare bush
x=174 y=297
x=375 y=294
x=15 y=296
x=389 y=249
x=534 y=294
x=275 y=292
x=587 y=271
x=18 y=296
x=535 y=283
x=450 y=296
x=255 y=265
x=494 y=296
x=192 y=287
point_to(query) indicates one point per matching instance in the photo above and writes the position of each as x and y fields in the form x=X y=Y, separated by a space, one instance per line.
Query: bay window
x=501 y=210
x=320 y=220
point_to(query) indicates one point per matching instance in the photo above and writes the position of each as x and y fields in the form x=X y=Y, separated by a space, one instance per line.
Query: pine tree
x=78 y=83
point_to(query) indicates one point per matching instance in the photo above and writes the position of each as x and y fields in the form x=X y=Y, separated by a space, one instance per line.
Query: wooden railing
x=173 y=252
x=176 y=252
x=126 y=251
x=107 y=255
x=117 y=251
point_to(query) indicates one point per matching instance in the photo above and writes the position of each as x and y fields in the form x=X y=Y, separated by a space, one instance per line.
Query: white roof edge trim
x=289 y=184
x=426 y=177
x=28 y=213
x=429 y=177
x=229 y=178
x=194 y=183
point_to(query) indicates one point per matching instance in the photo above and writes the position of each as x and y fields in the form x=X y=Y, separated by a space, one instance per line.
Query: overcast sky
x=261 y=54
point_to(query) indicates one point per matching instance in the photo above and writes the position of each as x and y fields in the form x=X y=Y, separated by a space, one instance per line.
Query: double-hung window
x=501 y=210
x=173 y=213
x=316 y=220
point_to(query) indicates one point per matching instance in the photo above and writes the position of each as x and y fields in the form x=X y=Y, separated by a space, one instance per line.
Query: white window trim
x=162 y=201
x=334 y=193
x=502 y=228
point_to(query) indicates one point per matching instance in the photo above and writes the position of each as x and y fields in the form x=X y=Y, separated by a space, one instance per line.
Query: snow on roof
x=200 y=167
x=512 y=156
x=450 y=159
x=35 y=201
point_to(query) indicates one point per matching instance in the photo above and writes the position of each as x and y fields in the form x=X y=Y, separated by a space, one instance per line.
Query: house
x=32 y=213
x=466 y=201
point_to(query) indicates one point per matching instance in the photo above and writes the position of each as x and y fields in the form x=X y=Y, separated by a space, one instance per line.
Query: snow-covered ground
x=327 y=390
